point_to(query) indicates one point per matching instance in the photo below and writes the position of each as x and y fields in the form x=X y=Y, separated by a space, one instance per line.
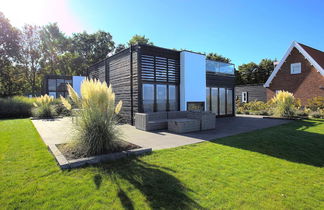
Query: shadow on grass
x=161 y=189
x=291 y=142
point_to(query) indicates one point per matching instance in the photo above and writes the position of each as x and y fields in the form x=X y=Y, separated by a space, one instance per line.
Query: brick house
x=301 y=72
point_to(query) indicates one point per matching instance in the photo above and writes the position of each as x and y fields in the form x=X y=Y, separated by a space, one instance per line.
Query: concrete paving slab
x=61 y=130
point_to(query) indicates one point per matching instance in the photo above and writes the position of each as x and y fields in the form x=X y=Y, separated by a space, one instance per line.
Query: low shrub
x=284 y=104
x=60 y=109
x=98 y=117
x=256 y=106
x=44 y=107
x=16 y=107
x=263 y=112
x=253 y=107
x=319 y=113
x=315 y=103
x=301 y=113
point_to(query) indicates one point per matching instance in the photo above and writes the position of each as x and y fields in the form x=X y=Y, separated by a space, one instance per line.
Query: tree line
x=30 y=53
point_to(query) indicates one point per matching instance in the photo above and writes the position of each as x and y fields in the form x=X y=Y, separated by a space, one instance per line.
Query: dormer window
x=295 y=68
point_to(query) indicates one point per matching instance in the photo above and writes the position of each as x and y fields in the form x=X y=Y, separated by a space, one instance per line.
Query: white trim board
x=303 y=52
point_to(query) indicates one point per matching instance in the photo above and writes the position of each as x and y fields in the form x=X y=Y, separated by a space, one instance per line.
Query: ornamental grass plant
x=43 y=107
x=284 y=104
x=97 y=130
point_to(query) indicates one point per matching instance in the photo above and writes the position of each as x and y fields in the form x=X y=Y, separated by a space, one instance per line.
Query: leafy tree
x=70 y=64
x=266 y=67
x=53 y=44
x=252 y=73
x=138 y=39
x=92 y=47
x=246 y=72
x=30 y=56
x=9 y=53
x=217 y=57
x=12 y=81
x=119 y=48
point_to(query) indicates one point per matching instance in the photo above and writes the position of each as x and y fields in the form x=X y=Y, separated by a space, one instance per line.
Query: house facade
x=153 y=79
x=250 y=92
x=301 y=72
x=55 y=85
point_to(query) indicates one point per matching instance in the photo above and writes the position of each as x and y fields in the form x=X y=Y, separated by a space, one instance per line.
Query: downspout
x=131 y=84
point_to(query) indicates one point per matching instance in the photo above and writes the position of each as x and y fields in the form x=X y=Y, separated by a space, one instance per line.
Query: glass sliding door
x=173 y=98
x=219 y=100
x=229 y=104
x=208 y=99
x=148 y=97
x=161 y=97
x=222 y=101
x=214 y=100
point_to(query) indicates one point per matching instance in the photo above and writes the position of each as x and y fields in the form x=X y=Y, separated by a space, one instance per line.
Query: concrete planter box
x=70 y=164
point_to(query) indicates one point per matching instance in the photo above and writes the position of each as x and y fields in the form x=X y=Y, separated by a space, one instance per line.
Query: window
x=173 y=98
x=60 y=85
x=229 y=101
x=57 y=87
x=207 y=99
x=244 y=97
x=148 y=97
x=295 y=68
x=52 y=84
x=214 y=100
x=222 y=101
x=161 y=97
x=52 y=94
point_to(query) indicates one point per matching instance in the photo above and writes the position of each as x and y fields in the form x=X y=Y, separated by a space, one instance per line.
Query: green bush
x=315 y=103
x=44 y=107
x=253 y=107
x=16 y=107
x=318 y=114
x=97 y=118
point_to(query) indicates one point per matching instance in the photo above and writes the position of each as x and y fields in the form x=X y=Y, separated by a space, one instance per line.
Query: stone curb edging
x=76 y=163
x=270 y=117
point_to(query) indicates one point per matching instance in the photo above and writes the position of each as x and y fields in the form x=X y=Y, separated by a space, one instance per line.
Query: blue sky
x=243 y=30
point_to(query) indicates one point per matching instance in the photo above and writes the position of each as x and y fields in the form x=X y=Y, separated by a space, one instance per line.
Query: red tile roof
x=317 y=55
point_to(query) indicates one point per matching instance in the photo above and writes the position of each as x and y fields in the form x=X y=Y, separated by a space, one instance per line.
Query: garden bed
x=68 y=158
x=72 y=153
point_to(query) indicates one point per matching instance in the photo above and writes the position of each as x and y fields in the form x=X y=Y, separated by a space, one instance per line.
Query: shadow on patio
x=161 y=189
x=293 y=142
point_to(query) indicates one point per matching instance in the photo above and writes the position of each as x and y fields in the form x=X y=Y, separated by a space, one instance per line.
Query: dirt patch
x=72 y=152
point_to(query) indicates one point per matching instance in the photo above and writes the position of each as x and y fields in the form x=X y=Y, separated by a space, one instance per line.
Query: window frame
x=244 y=98
x=155 y=105
x=293 y=66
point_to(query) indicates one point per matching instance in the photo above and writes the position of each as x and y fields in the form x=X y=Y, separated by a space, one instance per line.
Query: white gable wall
x=192 y=78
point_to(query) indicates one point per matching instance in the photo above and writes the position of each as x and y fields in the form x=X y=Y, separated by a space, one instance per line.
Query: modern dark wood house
x=301 y=72
x=55 y=85
x=152 y=79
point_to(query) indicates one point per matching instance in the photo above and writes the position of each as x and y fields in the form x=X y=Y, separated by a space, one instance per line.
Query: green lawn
x=275 y=168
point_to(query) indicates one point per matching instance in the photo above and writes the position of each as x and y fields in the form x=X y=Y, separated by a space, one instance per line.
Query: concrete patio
x=60 y=130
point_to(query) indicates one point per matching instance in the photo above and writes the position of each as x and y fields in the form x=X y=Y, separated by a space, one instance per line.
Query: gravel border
x=76 y=163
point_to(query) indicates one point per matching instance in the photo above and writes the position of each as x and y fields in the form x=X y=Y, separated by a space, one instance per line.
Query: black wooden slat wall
x=116 y=70
x=98 y=71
